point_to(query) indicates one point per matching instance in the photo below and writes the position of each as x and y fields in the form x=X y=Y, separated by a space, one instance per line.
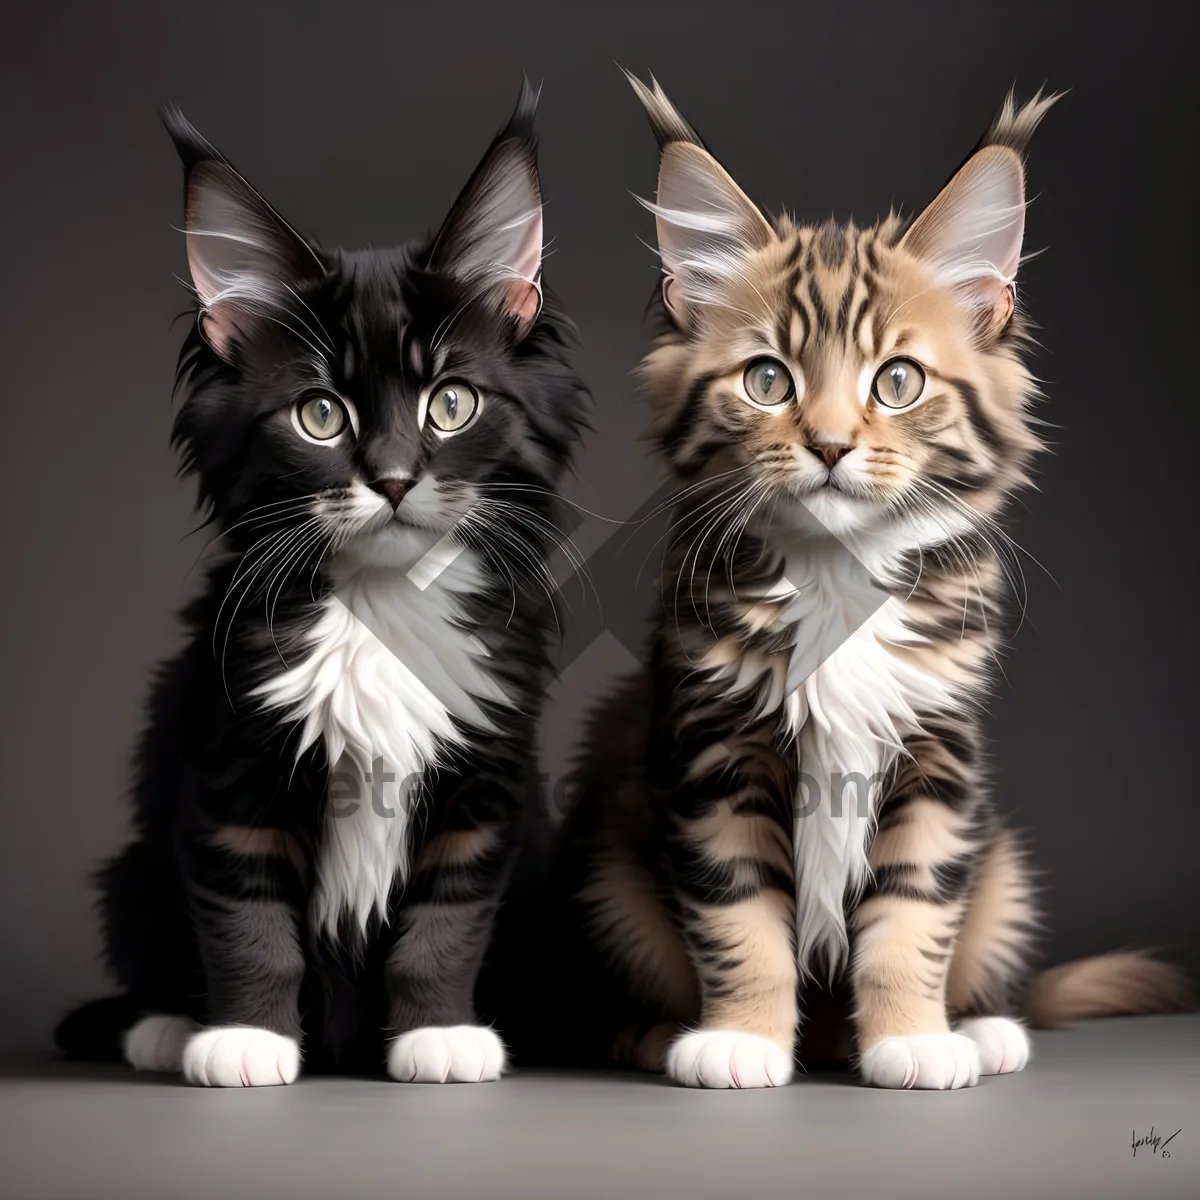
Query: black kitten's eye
x=322 y=417
x=452 y=406
x=768 y=382
x=898 y=383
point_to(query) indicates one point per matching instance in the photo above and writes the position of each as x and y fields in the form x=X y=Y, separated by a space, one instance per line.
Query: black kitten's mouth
x=402 y=520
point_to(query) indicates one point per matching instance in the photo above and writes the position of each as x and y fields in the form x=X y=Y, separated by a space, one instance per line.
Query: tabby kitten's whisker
x=872 y=380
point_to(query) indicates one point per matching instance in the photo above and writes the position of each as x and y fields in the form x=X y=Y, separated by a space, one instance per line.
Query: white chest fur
x=853 y=695
x=387 y=670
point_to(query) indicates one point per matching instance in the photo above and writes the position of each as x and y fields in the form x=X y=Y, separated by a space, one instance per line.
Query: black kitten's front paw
x=446 y=1054
x=240 y=1056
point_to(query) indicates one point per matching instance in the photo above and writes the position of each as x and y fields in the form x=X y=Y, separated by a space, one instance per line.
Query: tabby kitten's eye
x=452 y=406
x=321 y=417
x=898 y=383
x=768 y=383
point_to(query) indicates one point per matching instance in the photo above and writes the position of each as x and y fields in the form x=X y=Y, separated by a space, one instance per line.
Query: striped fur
x=798 y=787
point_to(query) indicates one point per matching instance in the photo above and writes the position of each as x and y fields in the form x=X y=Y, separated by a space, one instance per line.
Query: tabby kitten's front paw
x=716 y=1058
x=939 y=1061
x=451 y=1054
x=240 y=1056
x=1003 y=1044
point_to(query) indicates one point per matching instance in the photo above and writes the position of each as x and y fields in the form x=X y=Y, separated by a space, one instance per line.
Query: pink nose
x=393 y=490
x=831 y=454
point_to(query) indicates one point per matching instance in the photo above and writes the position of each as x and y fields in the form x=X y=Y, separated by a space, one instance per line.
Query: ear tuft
x=666 y=120
x=972 y=233
x=707 y=226
x=1015 y=124
x=493 y=234
x=191 y=146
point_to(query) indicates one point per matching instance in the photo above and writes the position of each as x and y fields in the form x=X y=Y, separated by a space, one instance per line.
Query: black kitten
x=329 y=792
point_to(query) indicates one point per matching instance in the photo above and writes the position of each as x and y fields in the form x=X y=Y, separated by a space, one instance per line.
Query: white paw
x=715 y=1058
x=450 y=1054
x=921 y=1060
x=240 y=1056
x=156 y=1043
x=1003 y=1045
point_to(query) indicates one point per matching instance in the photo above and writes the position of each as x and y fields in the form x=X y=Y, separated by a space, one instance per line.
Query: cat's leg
x=745 y=957
x=444 y=928
x=243 y=891
x=991 y=957
x=731 y=865
x=905 y=927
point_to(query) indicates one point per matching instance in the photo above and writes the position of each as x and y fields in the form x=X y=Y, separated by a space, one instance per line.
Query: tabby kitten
x=797 y=789
x=330 y=787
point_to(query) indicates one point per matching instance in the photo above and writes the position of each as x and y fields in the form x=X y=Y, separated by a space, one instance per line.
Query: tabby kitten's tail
x=998 y=934
x=1124 y=983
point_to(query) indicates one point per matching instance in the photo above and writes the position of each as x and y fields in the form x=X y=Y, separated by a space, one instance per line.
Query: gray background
x=360 y=122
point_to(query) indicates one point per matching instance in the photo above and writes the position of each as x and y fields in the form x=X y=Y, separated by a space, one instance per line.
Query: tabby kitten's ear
x=493 y=236
x=707 y=226
x=972 y=232
x=245 y=260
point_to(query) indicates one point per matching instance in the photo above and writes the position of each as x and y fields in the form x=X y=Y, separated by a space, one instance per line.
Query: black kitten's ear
x=707 y=226
x=972 y=233
x=493 y=235
x=245 y=259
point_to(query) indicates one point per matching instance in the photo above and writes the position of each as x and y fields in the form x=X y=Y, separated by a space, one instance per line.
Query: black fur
x=190 y=926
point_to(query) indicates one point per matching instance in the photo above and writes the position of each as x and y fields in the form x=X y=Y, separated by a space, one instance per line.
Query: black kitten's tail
x=93 y=1033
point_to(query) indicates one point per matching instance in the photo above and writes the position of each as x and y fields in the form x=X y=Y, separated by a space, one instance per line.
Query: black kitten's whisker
x=538 y=570
x=537 y=490
x=291 y=559
x=244 y=564
x=271 y=509
x=541 y=527
x=266 y=560
x=338 y=640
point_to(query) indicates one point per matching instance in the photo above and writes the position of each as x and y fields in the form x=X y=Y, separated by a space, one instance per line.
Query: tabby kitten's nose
x=393 y=490
x=831 y=454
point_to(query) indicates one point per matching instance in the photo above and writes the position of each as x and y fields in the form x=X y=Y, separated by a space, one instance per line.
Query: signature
x=1154 y=1142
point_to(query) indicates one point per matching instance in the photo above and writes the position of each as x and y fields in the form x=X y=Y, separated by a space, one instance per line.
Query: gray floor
x=1064 y=1127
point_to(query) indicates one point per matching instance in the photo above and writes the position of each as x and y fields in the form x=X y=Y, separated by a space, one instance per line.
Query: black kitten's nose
x=831 y=454
x=393 y=490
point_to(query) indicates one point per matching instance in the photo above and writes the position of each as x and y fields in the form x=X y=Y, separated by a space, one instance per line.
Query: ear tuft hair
x=520 y=125
x=665 y=119
x=707 y=226
x=1014 y=126
x=972 y=233
x=190 y=144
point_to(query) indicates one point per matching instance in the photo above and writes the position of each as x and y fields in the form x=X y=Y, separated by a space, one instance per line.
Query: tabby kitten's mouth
x=830 y=485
